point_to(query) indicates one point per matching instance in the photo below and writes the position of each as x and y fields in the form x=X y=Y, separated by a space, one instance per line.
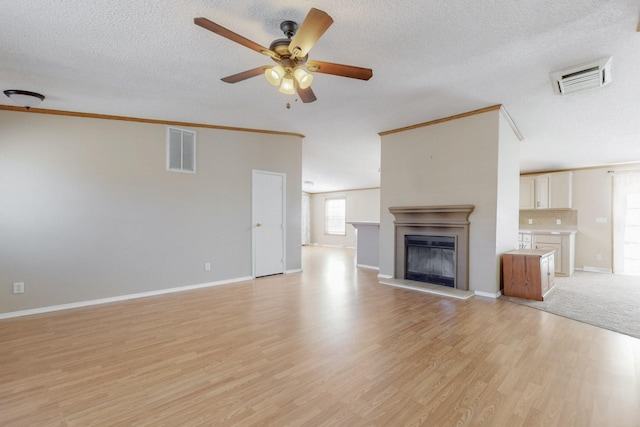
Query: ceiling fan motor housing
x=281 y=47
x=289 y=28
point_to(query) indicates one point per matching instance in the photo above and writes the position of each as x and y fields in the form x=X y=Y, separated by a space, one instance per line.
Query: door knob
x=258 y=225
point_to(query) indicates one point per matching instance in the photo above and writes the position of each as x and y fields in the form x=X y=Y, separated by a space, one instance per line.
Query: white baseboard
x=297 y=270
x=488 y=294
x=331 y=246
x=595 y=269
x=385 y=276
x=80 y=304
x=370 y=267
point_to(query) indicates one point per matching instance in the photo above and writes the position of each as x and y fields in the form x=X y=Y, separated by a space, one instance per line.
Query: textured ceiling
x=147 y=59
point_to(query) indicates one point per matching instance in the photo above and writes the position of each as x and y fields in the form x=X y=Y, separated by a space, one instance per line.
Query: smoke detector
x=582 y=77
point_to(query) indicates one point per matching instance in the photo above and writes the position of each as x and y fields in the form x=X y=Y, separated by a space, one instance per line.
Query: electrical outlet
x=207 y=266
x=530 y=221
x=18 y=288
x=558 y=221
x=598 y=257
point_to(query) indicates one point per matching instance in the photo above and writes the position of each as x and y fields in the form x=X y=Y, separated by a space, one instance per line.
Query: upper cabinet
x=542 y=191
x=547 y=191
x=560 y=190
x=527 y=192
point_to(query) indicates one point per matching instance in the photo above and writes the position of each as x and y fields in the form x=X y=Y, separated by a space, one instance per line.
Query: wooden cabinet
x=528 y=273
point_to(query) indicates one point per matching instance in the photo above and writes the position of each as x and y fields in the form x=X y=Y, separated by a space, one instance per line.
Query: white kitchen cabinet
x=560 y=190
x=564 y=246
x=524 y=241
x=527 y=192
x=546 y=191
x=542 y=192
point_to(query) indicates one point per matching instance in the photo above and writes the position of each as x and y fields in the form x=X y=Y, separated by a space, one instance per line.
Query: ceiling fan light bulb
x=274 y=74
x=304 y=79
x=287 y=87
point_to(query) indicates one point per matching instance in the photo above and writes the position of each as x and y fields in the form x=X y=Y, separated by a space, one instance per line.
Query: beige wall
x=592 y=201
x=470 y=160
x=362 y=205
x=88 y=211
x=592 y=198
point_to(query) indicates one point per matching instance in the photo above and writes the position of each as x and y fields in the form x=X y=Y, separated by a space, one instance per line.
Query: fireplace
x=432 y=244
x=430 y=259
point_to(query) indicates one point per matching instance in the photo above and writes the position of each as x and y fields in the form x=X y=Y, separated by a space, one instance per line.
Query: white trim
x=385 y=276
x=297 y=270
x=488 y=294
x=596 y=269
x=332 y=246
x=509 y=120
x=370 y=267
x=88 y=303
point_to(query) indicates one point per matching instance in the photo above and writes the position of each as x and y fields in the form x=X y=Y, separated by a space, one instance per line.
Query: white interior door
x=268 y=223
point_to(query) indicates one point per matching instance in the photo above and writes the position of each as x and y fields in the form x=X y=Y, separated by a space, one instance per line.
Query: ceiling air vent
x=582 y=77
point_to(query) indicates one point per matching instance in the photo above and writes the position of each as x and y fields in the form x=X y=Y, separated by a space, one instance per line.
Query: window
x=631 y=252
x=181 y=150
x=626 y=222
x=335 y=216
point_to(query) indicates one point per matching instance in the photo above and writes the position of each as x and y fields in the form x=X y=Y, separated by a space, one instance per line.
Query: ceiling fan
x=292 y=72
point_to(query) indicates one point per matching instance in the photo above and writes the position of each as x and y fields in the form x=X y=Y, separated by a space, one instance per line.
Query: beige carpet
x=609 y=301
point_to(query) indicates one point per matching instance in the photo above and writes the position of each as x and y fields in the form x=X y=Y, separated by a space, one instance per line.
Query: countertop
x=536 y=252
x=560 y=229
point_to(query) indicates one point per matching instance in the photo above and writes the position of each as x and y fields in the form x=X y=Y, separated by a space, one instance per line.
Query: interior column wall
x=461 y=161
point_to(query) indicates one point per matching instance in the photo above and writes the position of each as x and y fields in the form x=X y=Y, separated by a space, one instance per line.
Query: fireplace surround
x=449 y=222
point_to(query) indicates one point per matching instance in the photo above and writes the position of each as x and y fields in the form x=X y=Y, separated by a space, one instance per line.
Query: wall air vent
x=582 y=77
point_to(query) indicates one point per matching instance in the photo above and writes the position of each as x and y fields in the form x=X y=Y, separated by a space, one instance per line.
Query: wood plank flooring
x=328 y=347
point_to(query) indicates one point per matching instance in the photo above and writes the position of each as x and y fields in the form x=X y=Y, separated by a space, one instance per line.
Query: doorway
x=268 y=228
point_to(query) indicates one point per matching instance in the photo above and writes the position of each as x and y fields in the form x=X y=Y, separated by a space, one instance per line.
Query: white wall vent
x=582 y=77
x=181 y=150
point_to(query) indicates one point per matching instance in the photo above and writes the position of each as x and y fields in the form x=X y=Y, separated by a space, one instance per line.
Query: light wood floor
x=329 y=346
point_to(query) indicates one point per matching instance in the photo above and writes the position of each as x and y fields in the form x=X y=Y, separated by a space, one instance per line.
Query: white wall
x=470 y=160
x=362 y=205
x=88 y=211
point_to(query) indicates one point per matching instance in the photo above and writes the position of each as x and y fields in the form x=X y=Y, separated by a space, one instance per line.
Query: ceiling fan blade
x=245 y=75
x=221 y=31
x=339 y=70
x=312 y=28
x=306 y=95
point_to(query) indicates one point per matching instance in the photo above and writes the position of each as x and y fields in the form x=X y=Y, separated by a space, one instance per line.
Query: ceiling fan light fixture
x=304 y=79
x=287 y=87
x=24 y=98
x=274 y=74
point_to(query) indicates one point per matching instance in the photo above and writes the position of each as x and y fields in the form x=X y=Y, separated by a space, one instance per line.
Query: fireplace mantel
x=430 y=215
x=447 y=220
